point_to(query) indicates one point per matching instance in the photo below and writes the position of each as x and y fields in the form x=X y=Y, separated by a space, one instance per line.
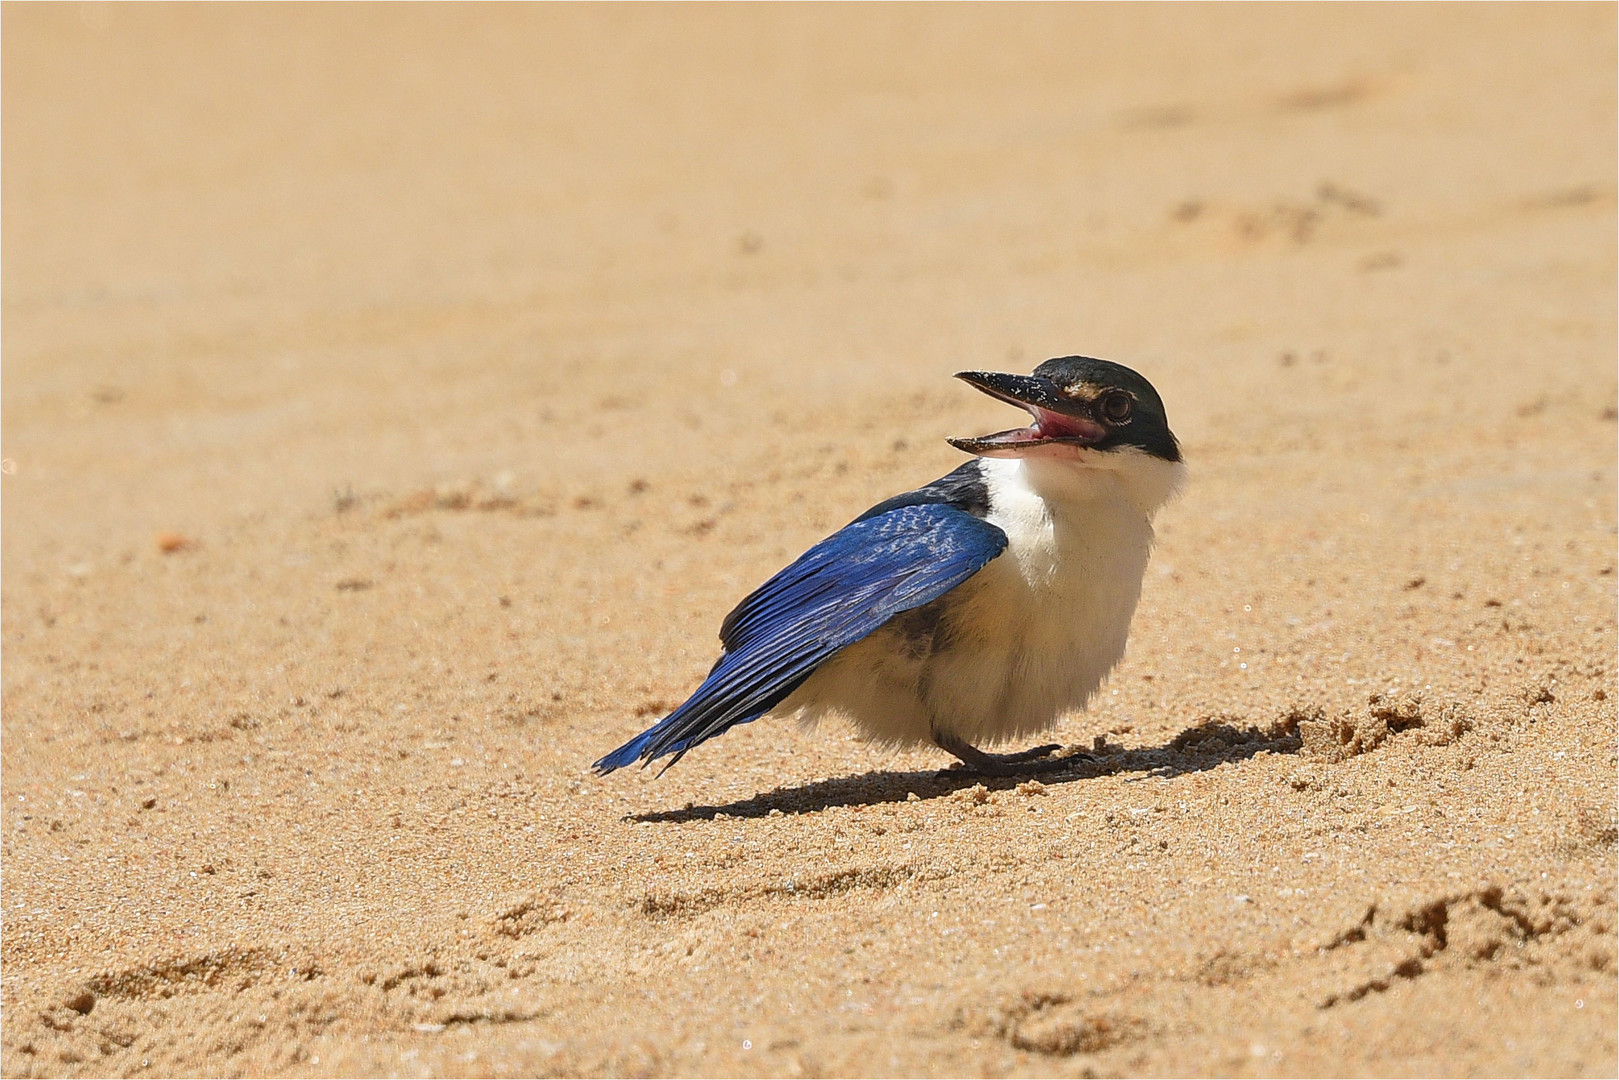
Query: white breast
x=1048 y=620
x=1032 y=635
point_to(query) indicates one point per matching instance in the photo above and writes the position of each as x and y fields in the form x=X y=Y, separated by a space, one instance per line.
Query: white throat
x=1100 y=486
x=1133 y=481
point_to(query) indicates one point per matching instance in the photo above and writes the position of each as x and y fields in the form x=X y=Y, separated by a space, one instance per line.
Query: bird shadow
x=1205 y=745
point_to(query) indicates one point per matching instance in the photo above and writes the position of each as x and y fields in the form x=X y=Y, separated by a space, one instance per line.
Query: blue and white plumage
x=977 y=609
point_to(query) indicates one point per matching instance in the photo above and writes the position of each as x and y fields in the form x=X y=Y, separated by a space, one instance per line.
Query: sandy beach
x=397 y=398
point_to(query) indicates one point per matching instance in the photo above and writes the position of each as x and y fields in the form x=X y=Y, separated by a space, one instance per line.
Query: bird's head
x=1085 y=410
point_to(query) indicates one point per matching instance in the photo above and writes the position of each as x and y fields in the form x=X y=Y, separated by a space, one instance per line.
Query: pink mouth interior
x=1048 y=427
x=1051 y=425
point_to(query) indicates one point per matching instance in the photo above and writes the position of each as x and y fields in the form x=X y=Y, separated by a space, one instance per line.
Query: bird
x=974 y=610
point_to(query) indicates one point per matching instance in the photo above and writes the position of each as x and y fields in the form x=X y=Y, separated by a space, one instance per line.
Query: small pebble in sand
x=171 y=542
x=976 y=795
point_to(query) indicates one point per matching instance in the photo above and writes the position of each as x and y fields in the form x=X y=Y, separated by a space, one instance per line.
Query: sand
x=396 y=398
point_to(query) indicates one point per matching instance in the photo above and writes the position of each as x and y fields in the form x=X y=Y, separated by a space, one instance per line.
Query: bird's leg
x=1034 y=760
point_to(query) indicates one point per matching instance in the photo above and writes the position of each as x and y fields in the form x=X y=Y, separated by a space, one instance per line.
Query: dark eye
x=1116 y=406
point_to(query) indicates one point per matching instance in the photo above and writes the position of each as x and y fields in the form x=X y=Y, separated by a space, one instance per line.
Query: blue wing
x=837 y=592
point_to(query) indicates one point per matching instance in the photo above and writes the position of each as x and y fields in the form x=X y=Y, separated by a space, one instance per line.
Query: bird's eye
x=1116 y=406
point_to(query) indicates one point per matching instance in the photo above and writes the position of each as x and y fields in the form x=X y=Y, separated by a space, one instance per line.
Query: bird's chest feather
x=1040 y=627
x=1074 y=560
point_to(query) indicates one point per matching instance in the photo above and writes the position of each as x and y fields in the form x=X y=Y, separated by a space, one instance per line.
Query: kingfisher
x=974 y=610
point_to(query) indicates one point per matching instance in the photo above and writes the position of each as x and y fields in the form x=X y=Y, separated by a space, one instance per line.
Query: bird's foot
x=1031 y=754
x=1036 y=759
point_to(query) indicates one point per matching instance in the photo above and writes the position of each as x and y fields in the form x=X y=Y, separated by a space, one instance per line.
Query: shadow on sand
x=1206 y=745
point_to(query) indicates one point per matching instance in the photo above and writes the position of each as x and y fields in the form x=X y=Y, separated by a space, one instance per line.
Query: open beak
x=1058 y=421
